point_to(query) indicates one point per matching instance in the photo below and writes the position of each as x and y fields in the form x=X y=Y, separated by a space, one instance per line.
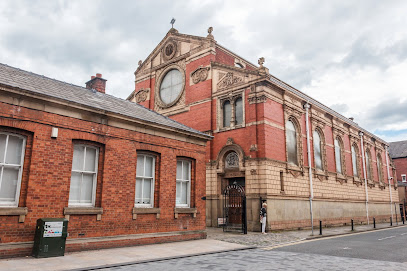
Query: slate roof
x=398 y=149
x=42 y=85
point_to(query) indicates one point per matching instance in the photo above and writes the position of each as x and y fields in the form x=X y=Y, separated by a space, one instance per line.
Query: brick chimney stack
x=97 y=82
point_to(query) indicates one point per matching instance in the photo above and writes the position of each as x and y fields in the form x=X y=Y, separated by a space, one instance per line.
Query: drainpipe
x=311 y=196
x=389 y=178
x=364 y=175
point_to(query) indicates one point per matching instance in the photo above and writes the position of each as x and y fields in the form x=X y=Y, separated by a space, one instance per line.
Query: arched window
x=317 y=150
x=238 y=111
x=369 y=172
x=379 y=168
x=227 y=111
x=354 y=161
x=291 y=135
x=338 y=156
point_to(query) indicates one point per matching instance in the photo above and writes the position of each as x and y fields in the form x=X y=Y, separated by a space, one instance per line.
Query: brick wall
x=47 y=172
x=401 y=167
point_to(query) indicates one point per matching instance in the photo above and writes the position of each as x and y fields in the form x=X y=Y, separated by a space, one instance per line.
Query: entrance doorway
x=235 y=205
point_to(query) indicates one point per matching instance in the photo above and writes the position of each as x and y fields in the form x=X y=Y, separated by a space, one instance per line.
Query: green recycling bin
x=50 y=237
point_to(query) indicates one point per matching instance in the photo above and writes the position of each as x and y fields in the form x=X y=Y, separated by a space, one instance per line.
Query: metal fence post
x=352 y=224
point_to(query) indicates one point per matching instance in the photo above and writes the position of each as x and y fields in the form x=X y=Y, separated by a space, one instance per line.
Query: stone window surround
x=380 y=174
x=320 y=174
x=231 y=97
x=295 y=170
x=370 y=165
x=356 y=179
x=158 y=85
x=340 y=176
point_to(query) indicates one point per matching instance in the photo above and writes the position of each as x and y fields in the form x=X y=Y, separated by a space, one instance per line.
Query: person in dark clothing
x=263 y=217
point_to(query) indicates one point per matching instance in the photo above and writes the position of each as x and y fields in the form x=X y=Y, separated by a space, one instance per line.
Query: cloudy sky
x=349 y=55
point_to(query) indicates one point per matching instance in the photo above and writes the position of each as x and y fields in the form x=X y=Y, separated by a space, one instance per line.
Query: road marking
x=347 y=248
x=325 y=238
x=404 y=233
x=389 y=237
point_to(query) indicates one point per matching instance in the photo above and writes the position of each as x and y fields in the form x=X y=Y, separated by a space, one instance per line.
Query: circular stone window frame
x=158 y=86
x=174 y=50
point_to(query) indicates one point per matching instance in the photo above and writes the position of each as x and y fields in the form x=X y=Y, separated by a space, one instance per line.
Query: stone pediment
x=173 y=47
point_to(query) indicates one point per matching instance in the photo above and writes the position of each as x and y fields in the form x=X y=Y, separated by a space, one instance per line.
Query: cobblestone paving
x=275 y=238
x=259 y=259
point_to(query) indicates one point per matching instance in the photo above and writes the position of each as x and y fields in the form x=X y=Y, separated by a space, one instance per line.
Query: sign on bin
x=53 y=229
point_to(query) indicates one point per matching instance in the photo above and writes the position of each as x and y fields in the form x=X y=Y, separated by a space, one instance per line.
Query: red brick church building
x=279 y=144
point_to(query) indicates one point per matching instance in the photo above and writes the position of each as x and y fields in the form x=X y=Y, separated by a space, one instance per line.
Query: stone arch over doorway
x=227 y=152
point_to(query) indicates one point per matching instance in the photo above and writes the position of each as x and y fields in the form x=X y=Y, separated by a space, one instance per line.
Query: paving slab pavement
x=276 y=238
x=117 y=256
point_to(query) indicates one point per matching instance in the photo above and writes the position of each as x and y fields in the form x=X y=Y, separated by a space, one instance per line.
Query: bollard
x=352 y=223
x=374 y=223
x=403 y=219
x=320 y=227
x=391 y=222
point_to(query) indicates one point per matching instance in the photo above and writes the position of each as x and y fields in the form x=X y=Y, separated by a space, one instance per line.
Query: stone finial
x=210 y=30
x=140 y=62
x=261 y=61
x=262 y=70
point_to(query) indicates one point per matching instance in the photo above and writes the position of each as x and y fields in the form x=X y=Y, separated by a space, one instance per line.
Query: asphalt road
x=376 y=250
x=383 y=245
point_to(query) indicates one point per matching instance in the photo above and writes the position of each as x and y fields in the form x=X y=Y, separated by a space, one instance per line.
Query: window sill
x=341 y=178
x=223 y=129
x=184 y=210
x=357 y=181
x=83 y=211
x=14 y=211
x=320 y=174
x=370 y=183
x=143 y=210
x=295 y=170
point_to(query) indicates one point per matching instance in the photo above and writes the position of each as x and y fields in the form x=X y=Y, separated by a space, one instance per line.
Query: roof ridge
x=46 y=77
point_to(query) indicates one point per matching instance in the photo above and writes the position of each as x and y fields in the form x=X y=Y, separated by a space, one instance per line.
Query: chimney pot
x=99 y=75
x=92 y=77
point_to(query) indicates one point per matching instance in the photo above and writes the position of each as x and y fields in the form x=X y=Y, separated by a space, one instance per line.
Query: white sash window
x=12 y=148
